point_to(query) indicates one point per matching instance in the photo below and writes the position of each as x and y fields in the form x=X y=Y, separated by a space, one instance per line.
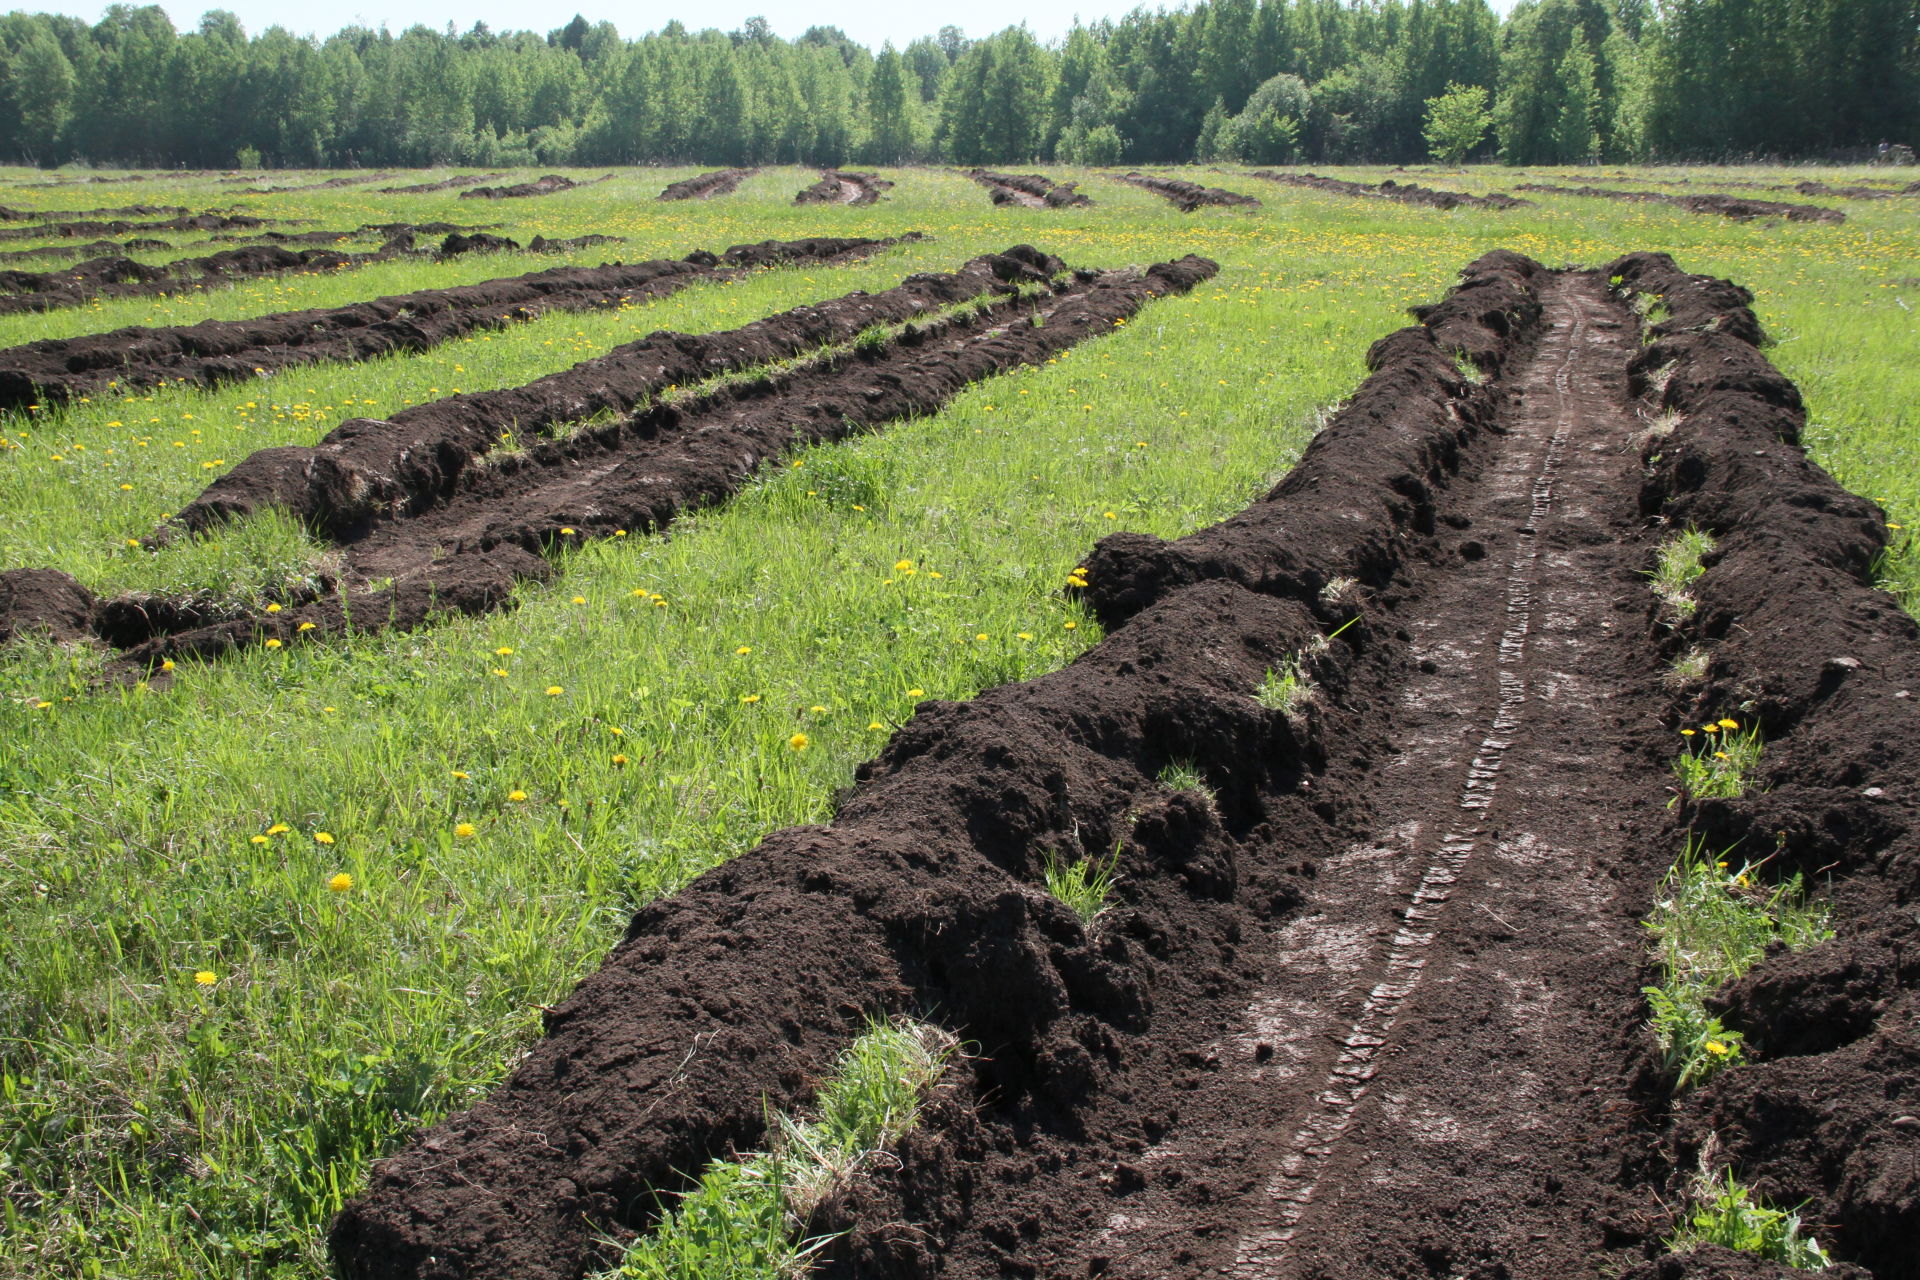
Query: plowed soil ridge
x=8 y=214
x=1406 y=192
x=67 y=230
x=118 y=277
x=463 y=544
x=1029 y=190
x=842 y=186
x=219 y=351
x=1187 y=195
x=331 y=184
x=1801 y=642
x=1371 y=1007
x=546 y=186
x=721 y=182
x=445 y=184
x=1739 y=208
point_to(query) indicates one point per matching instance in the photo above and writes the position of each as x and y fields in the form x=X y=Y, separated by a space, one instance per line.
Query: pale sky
x=867 y=21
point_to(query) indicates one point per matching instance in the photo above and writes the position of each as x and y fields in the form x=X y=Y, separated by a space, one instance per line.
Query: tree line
x=1263 y=81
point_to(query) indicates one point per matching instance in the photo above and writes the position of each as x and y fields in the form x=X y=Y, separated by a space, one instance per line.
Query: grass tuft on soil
x=1726 y=1212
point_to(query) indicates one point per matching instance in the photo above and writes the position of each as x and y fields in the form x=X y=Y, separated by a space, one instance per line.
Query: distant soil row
x=1187 y=195
x=841 y=186
x=55 y=370
x=120 y=277
x=8 y=214
x=546 y=186
x=1738 y=208
x=721 y=182
x=67 y=230
x=1406 y=192
x=445 y=184
x=1030 y=190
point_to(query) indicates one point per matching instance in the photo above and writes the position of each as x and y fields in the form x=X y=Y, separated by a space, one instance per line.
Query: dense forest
x=1267 y=81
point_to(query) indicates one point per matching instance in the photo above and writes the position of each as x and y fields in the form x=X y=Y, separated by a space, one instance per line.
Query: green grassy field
x=205 y=1041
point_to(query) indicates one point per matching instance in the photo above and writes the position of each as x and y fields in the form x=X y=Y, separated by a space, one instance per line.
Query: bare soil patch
x=1187 y=195
x=842 y=186
x=1739 y=208
x=1406 y=192
x=1029 y=190
x=546 y=186
x=706 y=186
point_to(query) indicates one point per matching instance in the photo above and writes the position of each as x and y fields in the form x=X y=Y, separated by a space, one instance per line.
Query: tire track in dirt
x=1437 y=916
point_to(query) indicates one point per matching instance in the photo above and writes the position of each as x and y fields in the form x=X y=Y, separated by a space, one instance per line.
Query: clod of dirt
x=539 y=187
x=1739 y=208
x=721 y=182
x=1187 y=195
x=1031 y=190
x=1828 y=668
x=839 y=186
x=217 y=351
x=1406 y=192
x=43 y=602
x=479 y=242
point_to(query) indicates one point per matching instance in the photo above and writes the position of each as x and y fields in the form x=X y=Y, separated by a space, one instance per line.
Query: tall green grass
x=155 y=1125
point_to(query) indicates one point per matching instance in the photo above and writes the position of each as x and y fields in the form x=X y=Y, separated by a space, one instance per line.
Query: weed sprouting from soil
x=1727 y=1213
x=1185 y=775
x=1286 y=690
x=1470 y=371
x=1718 y=760
x=1690 y=667
x=1711 y=924
x=747 y=1219
x=1083 y=884
x=1680 y=562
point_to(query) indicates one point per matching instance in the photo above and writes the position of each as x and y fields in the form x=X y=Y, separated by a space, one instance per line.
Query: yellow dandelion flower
x=504 y=651
x=460 y=774
x=1729 y=724
x=278 y=829
x=1024 y=635
x=1721 y=755
x=981 y=636
x=1686 y=733
x=743 y=650
x=566 y=530
x=273 y=644
x=619 y=533
x=205 y=978
x=500 y=671
x=1071 y=624
x=1716 y=1048
x=306 y=626
x=916 y=693
x=273 y=608
x=616 y=731
x=817 y=710
x=323 y=837
x=133 y=542
x=341 y=882
x=619 y=759
x=749 y=698
x=579 y=599
x=798 y=742
x=902 y=566
x=554 y=691
x=258 y=840
x=126 y=488
x=875 y=726
x=516 y=796
x=465 y=830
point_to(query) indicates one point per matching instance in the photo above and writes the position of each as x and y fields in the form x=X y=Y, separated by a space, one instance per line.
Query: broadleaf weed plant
x=1718 y=760
x=1712 y=923
x=1727 y=1213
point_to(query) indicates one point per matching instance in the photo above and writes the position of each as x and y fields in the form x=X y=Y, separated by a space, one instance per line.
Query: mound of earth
x=721 y=182
x=445 y=184
x=1030 y=190
x=66 y=230
x=1406 y=192
x=71 y=215
x=1738 y=208
x=546 y=186
x=839 y=186
x=119 y=277
x=1188 y=195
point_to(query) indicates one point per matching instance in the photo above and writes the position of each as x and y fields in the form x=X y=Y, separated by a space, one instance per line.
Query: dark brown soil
x=116 y=277
x=98 y=248
x=218 y=351
x=445 y=184
x=43 y=602
x=1845 y=193
x=331 y=184
x=458 y=541
x=1406 y=192
x=67 y=230
x=1029 y=190
x=721 y=182
x=74 y=215
x=546 y=186
x=1371 y=1008
x=1187 y=195
x=459 y=244
x=1739 y=208
x=540 y=244
x=841 y=186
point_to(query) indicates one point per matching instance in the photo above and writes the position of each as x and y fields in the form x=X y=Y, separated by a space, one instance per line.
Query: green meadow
x=264 y=921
